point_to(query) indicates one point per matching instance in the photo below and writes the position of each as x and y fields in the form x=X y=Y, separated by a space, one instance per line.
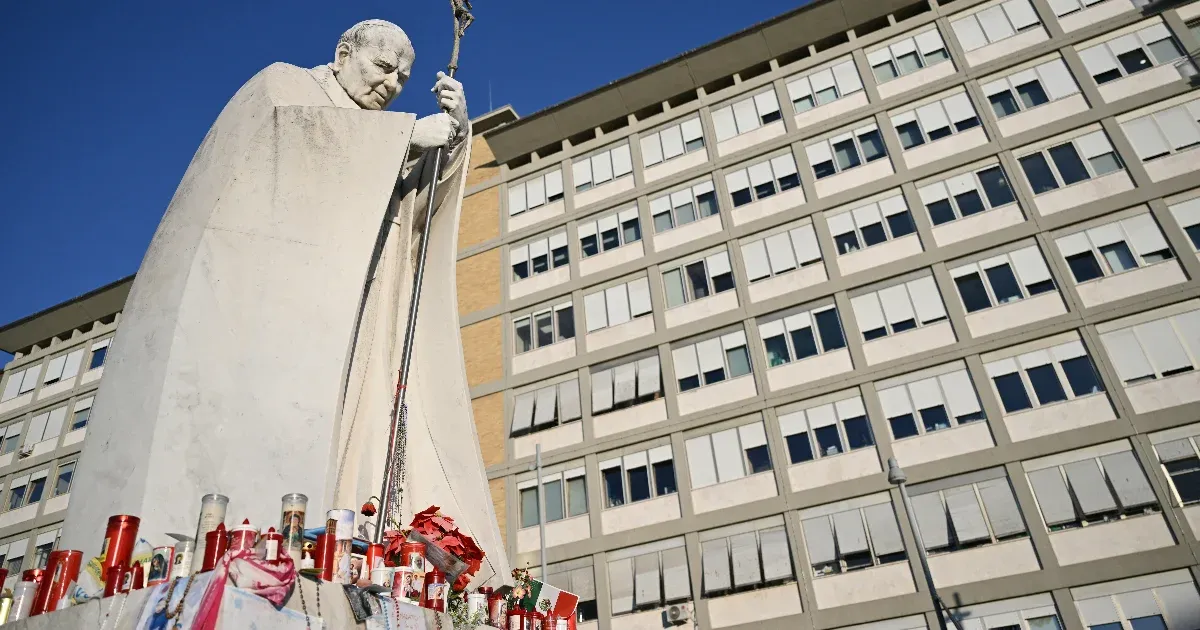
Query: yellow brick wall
x=482 y=166
x=498 y=501
x=489 y=424
x=478 y=282
x=482 y=343
x=480 y=219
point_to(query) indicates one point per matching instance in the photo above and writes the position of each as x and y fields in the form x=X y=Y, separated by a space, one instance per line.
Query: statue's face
x=372 y=74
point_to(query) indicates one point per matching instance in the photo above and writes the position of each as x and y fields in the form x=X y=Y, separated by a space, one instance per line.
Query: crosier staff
x=394 y=465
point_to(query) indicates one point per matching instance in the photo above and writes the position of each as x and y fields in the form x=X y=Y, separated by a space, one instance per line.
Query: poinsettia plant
x=440 y=530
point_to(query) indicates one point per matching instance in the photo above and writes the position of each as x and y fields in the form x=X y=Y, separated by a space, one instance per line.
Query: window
x=1042 y=377
x=908 y=55
x=1030 y=88
x=857 y=538
x=930 y=404
x=824 y=86
x=1002 y=279
x=898 y=308
x=81 y=414
x=698 y=280
x=63 y=367
x=711 y=361
x=763 y=179
x=826 y=430
x=1078 y=160
x=628 y=384
x=1128 y=54
x=684 y=206
x=617 y=305
x=846 y=151
x=12 y=437
x=950 y=517
x=45 y=426
x=99 y=352
x=966 y=195
x=539 y=256
x=637 y=477
x=781 y=253
x=17 y=491
x=62 y=483
x=871 y=224
x=1090 y=489
x=648 y=576
x=802 y=335
x=1156 y=349
x=1187 y=214
x=13 y=563
x=1178 y=458
x=1067 y=7
x=601 y=168
x=535 y=193
x=21 y=382
x=728 y=455
x=672 y=142
x=610 y=232
x=544 y=327
x=1114 y=247
x=578 y=577
x=41 y=553
x=1159 y=600
x=1165 y=132
x=745 y=557
x=931 y=122
x=746 y=115
x=995 y=23
x=565 y=496
x=546 y=408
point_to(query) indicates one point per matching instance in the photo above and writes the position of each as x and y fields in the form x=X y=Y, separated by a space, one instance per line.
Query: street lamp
x=897 y=477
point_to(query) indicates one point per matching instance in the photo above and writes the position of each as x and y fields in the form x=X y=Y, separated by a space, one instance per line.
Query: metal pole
x=537 y=463
x=897 y=477
x=462 y=19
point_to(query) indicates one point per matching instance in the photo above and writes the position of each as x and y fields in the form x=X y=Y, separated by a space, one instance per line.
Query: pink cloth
x=272 y=582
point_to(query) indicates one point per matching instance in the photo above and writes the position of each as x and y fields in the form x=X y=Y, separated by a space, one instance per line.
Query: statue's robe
x=258 y=350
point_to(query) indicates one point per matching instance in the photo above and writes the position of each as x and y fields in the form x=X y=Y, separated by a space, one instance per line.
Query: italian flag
x=562 y=603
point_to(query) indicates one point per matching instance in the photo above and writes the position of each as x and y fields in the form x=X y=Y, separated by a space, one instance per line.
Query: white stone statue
x=258 y=351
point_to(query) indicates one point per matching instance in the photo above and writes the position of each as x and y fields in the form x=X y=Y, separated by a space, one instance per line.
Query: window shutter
x=783 y=165
x=821 y=416
x=710 y=355
x=804 y=241
x=523 y=411
x=932 y=116
x=776 y=554
x=715 y=558
x=1056 y=79
x=866 y=215
x=754 y=254
x=1098 y=59
x=792 y=423
x=581 y=172
x=55 y=423
x=37 y=427
x=1094 y=144
x=602 y=168
x=960 y=394
x=620 y=583
x=54 y=369
x=535 y=191
x=568 y=400
x=1128 y=358
x=818 y=153
x=516 y=200
x=737 y=180
x=676 y=581
x=622 y=162
x=691 y=130
x=595 y=311
x=743 y=550
x=518 y=255
x=1179 y=126
x=583 y=583
x=995 y=24
x=850 y=408
x=624 y=382
x=700 y=461
x=745 y=116
x=933 y=193
x=31 y=375
x=894 y=401
x=822 y=80
x=1089 y=486
x=538 y=248
x=1030 y=266
x=1145 y=137
x=995 y=87
x=1138 y=604
x=1063 y=7
x=646 y=580
x=13 y=385
x=903 y=47
x=723 y=123
x=1020 y=13
x=1001 y=506
x=1144 y=235
x=728 y=455
x=847 y=78
x=733 y=340
x=672 y=142
x=639 y=297
x=893 y=205
x=1052 y=496
x=602 y=390
x=1163 y=345
x=1175 y=450
x=1182 y=604
x=818 y=539
x=867 y=311
x=779 y=251
x=752 y=435
x=652 y=152
x=931 y=519
x=929 y=41
x=685 y=362
x=544 y=413
x=1098 y=611
x=964 y=510
x=885 y=533
x=617 y=302
x=876 y=57
x=926 y=393
x=799 y=88
x=648 y=376
x=896 y=306
x=926 y=299
x=554 y=183
x=851 y=537
x=1128 y=480
x=969 y=35
x=718 y=264
x=1189 y=326
x=766 y=103
x=959 y=107
x=1073 y=244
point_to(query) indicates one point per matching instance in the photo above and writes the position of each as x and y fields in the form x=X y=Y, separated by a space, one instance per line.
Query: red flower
x=368 y=509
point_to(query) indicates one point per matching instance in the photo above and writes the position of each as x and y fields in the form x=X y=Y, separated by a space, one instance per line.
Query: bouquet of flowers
x=438 y=529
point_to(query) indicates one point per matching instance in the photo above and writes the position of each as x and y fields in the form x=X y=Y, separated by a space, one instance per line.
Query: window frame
x=606 y=155
x=651 y=472
x=736 y=339
x=1180 y=337
x=1040 y=74
x=627 y=286
x=803 y=232
x=688 y=146
x=1086 y=161
x=854 y=136
x=1022 y=372
x=688 y=290
x=803 y=81
x=706 y=186
x=590 y=227
x=638 y=398
x=954 y=544
x=1141 y=36
x=930 y=193
x=562 y=478
x=816 y=332
x=889 y=327
x=763 y=113
x=911 y=115
x=546 y=240
x=763 y=582
x=840 y=566
x=1081 y=519
x=739 y=433
x=799 y=417
x=943 y=393
x=977 y=269
x=58 y=471
x=559 y=417
x=781 y=167
x=531 y=318
x=1003 y=12
x=546 y=179
x=893 y=59
x=1191 y=112
x=880 y=207
x=1121 y=225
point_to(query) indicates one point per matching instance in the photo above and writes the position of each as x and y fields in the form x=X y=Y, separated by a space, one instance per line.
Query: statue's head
x=372 y=61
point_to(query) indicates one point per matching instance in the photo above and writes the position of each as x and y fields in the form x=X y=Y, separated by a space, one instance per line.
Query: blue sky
x=105 y=103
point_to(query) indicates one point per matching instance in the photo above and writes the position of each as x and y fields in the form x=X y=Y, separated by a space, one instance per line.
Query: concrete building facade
x=722 y=292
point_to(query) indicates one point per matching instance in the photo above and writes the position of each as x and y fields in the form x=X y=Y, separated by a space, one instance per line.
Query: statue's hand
x=433 y=131
x=453 y=101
